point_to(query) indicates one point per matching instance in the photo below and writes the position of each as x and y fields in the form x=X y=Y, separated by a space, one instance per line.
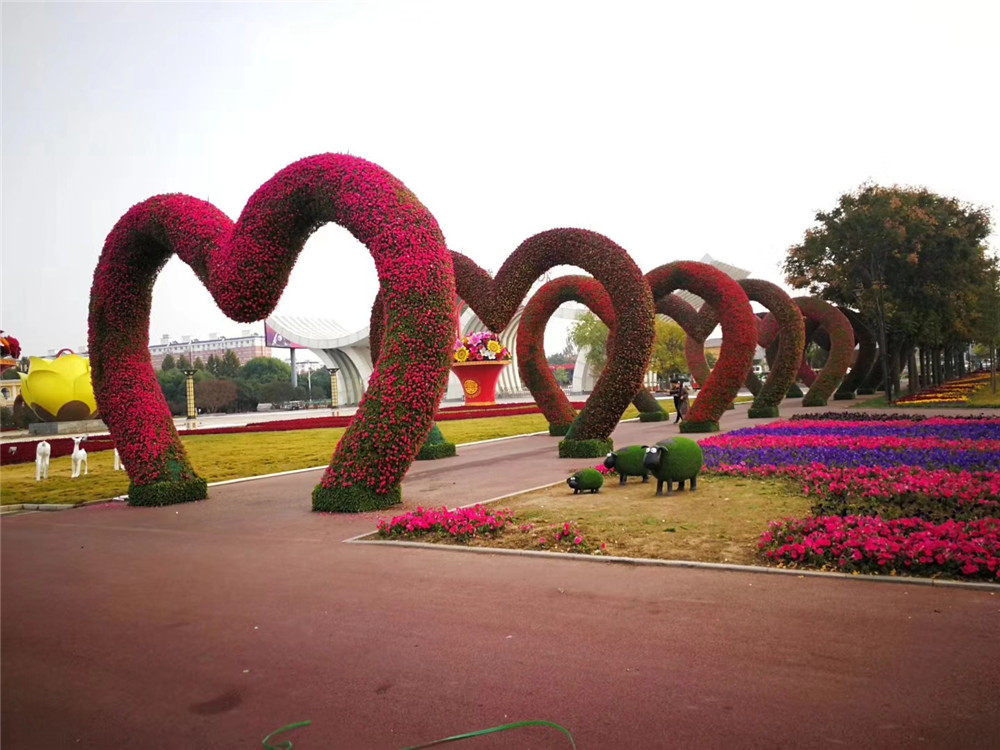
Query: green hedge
x=654 y=416
x=593 y=448
x=558 y=430
x=762 y=412
x=437 y=450
x=168 y=493
x=699 y=426
x=356 y=499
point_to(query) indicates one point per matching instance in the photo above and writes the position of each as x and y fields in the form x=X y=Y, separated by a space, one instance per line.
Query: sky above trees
x=676 y=131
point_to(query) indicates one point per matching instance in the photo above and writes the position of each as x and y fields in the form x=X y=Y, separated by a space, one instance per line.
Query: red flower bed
x=245 y=266
x=869 y=544
x=739 y=335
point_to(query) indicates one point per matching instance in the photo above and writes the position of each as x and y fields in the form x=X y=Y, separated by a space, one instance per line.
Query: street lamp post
x=334 y=395
x=192 y=412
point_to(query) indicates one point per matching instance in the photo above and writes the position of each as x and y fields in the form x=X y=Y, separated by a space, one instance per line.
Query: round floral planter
x=479 y=381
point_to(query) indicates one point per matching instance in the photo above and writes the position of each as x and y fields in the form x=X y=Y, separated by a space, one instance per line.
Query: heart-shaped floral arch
x=531 y=360
x=245 y=266
x=791 y=340
x=495 y=301
x=816 y=314
x=739 y=335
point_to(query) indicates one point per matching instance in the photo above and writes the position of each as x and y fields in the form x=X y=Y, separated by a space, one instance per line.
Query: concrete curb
x=444 y=547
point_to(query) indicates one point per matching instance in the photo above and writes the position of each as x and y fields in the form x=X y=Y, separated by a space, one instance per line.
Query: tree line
x=223 y=385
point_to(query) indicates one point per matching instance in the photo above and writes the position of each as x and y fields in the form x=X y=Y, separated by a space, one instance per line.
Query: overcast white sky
x=677 y=130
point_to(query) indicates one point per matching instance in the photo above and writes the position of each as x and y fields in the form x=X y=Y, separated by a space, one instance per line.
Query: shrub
x=594 y=448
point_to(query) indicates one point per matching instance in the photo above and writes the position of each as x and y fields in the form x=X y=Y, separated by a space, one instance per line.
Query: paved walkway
x=212 y=624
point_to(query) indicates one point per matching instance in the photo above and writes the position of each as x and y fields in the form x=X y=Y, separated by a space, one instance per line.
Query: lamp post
x=192 y=412
x=334 y=395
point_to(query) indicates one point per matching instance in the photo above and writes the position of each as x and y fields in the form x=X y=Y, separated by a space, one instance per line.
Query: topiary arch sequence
x=739 y=335
x=791 y=342
x=245 y=267
x=531 y=360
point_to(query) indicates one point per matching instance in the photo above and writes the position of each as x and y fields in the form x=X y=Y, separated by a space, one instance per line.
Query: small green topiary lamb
x=674 y=460
x=628 y=462
x=586 y=480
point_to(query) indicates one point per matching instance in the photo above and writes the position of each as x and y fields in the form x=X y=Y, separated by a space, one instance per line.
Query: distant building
x=245 y=347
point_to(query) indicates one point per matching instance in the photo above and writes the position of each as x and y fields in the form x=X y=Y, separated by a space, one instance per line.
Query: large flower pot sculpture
x=531 y=361
x=245 y=267
x=739 y=335
x=478 y=361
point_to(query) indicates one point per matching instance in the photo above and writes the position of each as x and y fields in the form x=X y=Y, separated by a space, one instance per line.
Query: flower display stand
x=479 y=381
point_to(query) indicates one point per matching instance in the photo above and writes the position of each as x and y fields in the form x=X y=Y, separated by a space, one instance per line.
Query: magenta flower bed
x=977 y=491
x=903 y=496
x=868 y=544
x=461 y=524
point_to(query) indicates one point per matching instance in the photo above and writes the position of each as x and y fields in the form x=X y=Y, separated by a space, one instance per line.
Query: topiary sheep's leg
x=623 y=479
x=645 y=478
x=659 y=487
x=694 y=483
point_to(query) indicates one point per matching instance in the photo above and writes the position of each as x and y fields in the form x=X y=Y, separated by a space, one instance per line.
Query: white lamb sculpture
x=42 y=452
x=79 y=458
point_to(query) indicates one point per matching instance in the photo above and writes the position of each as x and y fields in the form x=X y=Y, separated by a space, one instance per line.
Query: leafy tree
x=198 y=364
x=10 y=374
x=212 y=365
x=172 y=383
x=910 y=261
x=711 y=357
x=278 y=392
x=168 y=363
x=23 y=365
x=216 y=395
x=266 y=370
x=229 y=366
x=668 y=349
x=591 y=334
x=183 y=363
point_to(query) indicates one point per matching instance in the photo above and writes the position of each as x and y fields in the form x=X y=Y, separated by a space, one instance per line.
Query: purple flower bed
x=906 y=496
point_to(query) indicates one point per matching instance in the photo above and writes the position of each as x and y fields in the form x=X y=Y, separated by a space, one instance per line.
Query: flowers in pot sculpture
x=478 y=361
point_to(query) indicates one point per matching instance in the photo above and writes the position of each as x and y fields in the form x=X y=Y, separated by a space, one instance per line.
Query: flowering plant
x=481 y=346
x=9 y=346
x=245 y=266
x=461 y=524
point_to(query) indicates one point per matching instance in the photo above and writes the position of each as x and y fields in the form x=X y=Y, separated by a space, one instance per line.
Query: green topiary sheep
x=674 y=460
x=586 y=480
x=628 y=462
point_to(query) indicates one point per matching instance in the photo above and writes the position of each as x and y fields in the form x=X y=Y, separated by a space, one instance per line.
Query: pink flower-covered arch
x=531 y=362
x=245 y=267
x=739 y=335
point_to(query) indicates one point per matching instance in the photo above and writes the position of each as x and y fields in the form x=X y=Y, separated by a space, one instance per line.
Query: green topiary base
x=699 y=426
x=653 y=416
x=866 y=391
x=168 y=493
x=813 y=401
x=355 y=499
x=794 y=392
x=762 y=412
x=435 y=451
x=594 y=448
x=844 y=396
x=558 y=430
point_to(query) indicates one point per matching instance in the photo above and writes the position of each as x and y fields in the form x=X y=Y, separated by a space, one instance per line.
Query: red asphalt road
x=212 y=624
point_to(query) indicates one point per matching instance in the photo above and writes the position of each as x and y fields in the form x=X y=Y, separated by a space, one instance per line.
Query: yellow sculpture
x=59 y=390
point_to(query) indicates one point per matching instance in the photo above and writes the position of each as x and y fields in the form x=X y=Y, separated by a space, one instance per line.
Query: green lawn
x=233 y=456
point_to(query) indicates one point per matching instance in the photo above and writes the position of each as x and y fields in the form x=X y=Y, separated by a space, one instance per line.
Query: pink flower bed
x=870 y=544
x=964 y=488
x=461 y=524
